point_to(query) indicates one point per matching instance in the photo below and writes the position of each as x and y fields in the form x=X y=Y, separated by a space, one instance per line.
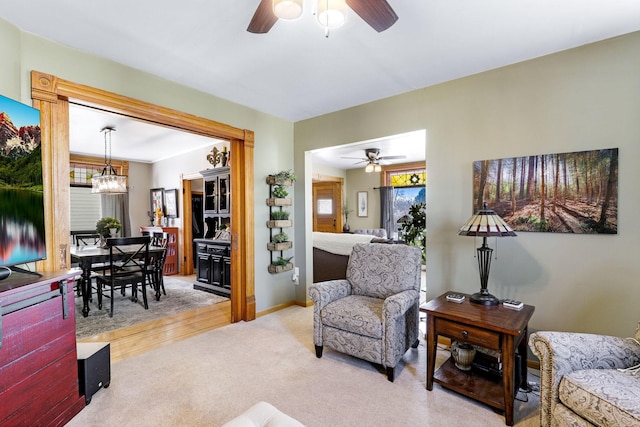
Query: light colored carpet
x=211 y=378
x=180 y=297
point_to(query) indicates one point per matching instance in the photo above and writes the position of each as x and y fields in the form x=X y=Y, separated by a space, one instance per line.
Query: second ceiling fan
x=377 y=13
x=373 y=159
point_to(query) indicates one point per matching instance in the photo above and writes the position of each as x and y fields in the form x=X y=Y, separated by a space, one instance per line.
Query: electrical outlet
x=295 y=278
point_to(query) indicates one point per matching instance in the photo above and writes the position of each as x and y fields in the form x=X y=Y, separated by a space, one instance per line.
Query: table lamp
x=485 y=223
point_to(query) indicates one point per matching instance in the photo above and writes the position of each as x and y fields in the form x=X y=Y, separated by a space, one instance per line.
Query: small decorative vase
x=346 y=228
x=112 y=232
x=463 y=355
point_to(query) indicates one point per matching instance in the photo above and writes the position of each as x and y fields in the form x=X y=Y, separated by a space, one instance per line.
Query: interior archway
x=51 y=96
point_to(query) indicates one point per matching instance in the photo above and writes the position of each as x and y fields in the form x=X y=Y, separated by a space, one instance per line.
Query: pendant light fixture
x=108 y=182
x=287 y=9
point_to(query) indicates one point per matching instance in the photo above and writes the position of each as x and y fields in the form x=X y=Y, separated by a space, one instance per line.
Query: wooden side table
x=493 y=327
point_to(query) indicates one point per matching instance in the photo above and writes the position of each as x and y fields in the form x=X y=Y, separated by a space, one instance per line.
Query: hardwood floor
x=143 y=337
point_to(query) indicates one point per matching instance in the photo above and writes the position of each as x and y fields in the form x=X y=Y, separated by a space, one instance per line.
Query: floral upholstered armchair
x=588 y=379
x=373 y=313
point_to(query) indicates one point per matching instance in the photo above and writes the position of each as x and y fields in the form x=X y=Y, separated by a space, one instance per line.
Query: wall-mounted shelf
x=279 y=223
x=274 y=201
x=279 y=246
x=277 y=201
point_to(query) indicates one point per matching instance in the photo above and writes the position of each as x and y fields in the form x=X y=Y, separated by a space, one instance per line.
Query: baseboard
x=275 y=308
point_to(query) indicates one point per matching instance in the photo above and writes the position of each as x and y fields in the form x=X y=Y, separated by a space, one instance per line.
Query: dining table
x=88 y=256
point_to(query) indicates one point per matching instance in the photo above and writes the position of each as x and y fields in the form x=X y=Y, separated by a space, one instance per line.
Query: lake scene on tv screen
x=22 y=232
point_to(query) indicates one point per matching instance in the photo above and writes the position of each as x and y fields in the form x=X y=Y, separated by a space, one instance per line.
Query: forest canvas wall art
x=562 y=193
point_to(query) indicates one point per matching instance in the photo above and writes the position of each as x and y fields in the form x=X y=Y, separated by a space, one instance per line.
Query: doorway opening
x=51 y=95
x=349 y=162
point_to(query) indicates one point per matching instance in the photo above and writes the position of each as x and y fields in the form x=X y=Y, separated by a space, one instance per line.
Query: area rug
x=180 y=297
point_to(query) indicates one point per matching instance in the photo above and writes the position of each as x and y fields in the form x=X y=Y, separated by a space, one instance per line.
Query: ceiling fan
x=372 y=155
x=377 y=13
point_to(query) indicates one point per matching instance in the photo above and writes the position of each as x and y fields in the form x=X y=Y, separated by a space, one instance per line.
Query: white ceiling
x=132 y=140
x=294 y=72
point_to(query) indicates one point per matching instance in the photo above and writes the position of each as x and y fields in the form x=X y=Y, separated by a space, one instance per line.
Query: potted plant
x=282 y=178
x=413 y=227
x=346 y=211
x=279 y=215
x=280 y=192
x=108 y=226
x=280 y=237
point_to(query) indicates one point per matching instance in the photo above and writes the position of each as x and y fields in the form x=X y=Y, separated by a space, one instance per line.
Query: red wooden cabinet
x=38 y=364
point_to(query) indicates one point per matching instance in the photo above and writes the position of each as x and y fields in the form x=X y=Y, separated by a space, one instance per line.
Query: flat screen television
x=22 y=231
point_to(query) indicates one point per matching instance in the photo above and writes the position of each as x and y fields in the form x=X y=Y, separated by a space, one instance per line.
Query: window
x=85 y=208
x=325 y=207
x=409 y=189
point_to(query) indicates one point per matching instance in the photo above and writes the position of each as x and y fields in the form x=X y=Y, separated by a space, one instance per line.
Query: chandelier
x=108 y=182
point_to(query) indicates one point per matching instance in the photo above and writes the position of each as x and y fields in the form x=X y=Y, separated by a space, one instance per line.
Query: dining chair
x=87 y=239
x=128 y=264
x=155 y=270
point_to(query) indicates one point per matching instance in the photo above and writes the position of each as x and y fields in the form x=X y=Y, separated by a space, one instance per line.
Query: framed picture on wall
x=157 y=199
x=362 y=204
x=171 y=203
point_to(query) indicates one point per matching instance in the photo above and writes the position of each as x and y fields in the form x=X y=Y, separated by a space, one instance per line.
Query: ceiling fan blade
x=263 y=19
x=377 y=13
x=391 y=157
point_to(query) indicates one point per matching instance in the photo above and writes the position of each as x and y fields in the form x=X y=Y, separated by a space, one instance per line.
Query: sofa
x=331 y=253
x=588 y=379
x=380 y=233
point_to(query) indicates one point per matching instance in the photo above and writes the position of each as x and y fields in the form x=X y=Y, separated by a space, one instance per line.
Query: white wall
x=581 y=99
x=359 y=180
x=139 y=180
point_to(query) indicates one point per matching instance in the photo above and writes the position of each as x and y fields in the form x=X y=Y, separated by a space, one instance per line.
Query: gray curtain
x=117 y=206
x=386 y=211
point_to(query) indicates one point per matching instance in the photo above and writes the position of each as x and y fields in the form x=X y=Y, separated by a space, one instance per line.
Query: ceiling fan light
x=369 y=168
x=377 y=168
x=332 y=13
x=287 y=9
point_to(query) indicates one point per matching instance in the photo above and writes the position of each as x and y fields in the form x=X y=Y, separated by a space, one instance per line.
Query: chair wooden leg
x=318 y=351
x=144 y=293
x=161 y=280
x=99 y=292
x=390 y=373
x=112 y=298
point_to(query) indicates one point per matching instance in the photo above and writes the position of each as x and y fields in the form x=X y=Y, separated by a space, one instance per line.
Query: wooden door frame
x=51 y=96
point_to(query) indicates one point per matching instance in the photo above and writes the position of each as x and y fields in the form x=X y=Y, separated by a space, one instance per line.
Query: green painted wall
x=581 y=99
